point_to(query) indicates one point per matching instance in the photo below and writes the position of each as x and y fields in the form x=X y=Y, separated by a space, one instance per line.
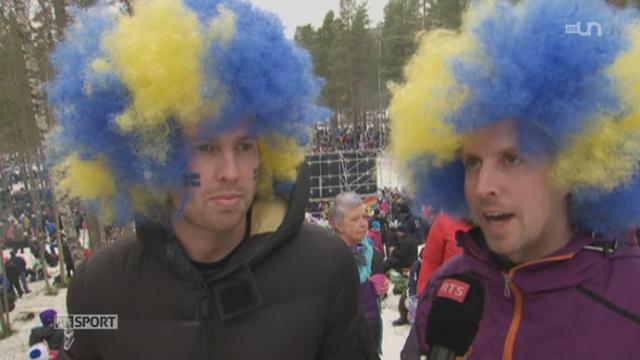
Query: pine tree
x=402 y=23
x=445 y=14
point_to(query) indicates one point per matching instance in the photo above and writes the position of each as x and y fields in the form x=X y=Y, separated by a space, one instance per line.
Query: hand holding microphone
x=454 y=317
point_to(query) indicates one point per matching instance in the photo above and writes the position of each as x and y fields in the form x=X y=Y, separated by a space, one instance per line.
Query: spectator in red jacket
x=440 y=246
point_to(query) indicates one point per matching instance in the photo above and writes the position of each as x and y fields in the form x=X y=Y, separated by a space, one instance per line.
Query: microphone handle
x=441 y=353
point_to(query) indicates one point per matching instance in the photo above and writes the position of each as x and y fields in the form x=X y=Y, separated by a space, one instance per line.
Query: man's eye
x=471 y=163
x=205 y=147
x=511 y=160
x=247 y=146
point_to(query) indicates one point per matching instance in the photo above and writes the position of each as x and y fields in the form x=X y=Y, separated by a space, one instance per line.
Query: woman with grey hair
x=350 y=221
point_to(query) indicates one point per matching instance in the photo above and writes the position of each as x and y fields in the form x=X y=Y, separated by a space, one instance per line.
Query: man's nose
x=228 y=167
x=488 y=181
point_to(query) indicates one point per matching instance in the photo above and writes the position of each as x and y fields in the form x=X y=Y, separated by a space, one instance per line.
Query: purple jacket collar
x=584 y=251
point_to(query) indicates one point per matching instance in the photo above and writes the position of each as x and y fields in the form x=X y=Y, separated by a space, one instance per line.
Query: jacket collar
x=273 y=221
x=584 y=256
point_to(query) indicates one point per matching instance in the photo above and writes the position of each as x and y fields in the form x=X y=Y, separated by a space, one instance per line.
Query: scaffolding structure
x=339 y=171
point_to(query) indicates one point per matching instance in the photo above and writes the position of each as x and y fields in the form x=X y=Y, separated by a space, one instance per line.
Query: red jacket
x=440 y=246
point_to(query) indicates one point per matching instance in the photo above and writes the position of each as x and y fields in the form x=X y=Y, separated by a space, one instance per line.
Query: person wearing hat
x=47 y=332
x=375 y=234
x=401 y=258
x=528 y=120
x=406 y=252
x=190 y=116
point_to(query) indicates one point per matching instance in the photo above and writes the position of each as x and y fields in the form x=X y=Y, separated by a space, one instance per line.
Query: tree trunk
x=64 y=206
x=96 y=232
x=43 y=261
x=424 y=14
x=31 y=64
x=60 y=11
x=56 y=216
x=5 y=321
x=77 y=252
x=36 y=200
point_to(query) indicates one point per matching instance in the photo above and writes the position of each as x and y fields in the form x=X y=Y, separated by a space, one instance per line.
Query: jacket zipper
x=511 y=288
x=205 y=316
x=507 y=285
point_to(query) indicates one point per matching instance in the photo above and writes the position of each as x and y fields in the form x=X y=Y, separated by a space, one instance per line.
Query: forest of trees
x=358 y=59
x=29 y=29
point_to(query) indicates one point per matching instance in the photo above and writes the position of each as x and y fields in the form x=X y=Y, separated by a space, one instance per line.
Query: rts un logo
x=577 y=28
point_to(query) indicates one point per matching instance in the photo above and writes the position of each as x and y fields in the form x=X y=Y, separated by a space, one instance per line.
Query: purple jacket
x=582 y=302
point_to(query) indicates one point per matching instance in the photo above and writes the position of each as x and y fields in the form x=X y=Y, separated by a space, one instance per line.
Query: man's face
x=227 y=166
x=522 y=213
x=355 y=225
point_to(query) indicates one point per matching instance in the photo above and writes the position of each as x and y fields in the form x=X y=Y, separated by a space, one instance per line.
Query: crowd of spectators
x=350 y=138
x=389 y=207
x=397 y=231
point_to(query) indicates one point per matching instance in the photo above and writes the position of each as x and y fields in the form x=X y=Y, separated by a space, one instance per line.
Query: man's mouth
x=227 y=200
x=497 y=217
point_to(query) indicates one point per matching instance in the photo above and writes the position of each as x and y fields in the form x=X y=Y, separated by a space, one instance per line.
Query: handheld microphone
x=454 y=317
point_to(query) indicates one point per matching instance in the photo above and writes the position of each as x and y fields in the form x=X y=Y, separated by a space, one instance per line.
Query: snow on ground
x=25 y=317
x=393 y=337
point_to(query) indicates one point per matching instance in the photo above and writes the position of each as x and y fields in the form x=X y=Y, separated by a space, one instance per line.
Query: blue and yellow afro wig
x=129 y=90
x=568 y=73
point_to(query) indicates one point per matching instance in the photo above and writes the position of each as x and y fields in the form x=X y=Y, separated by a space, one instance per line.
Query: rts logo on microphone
x=453 y=289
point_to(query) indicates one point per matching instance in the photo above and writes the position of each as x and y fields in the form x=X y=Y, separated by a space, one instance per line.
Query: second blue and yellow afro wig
x=129 y=90
x=568 y=73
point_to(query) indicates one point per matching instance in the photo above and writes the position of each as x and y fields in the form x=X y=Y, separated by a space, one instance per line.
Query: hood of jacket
x=273 y=222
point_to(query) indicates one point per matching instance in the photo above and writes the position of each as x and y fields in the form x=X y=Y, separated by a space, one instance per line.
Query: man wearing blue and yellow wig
x=189 y=117
x=528 y=119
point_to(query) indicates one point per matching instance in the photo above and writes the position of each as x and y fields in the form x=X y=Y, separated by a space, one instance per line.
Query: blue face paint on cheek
x=255 y=174
x=191 y=180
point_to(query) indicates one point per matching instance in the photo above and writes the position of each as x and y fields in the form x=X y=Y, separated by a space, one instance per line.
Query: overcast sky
x=301 y=12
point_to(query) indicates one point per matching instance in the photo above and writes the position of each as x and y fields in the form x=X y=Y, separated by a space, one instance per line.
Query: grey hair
x=342 y=203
